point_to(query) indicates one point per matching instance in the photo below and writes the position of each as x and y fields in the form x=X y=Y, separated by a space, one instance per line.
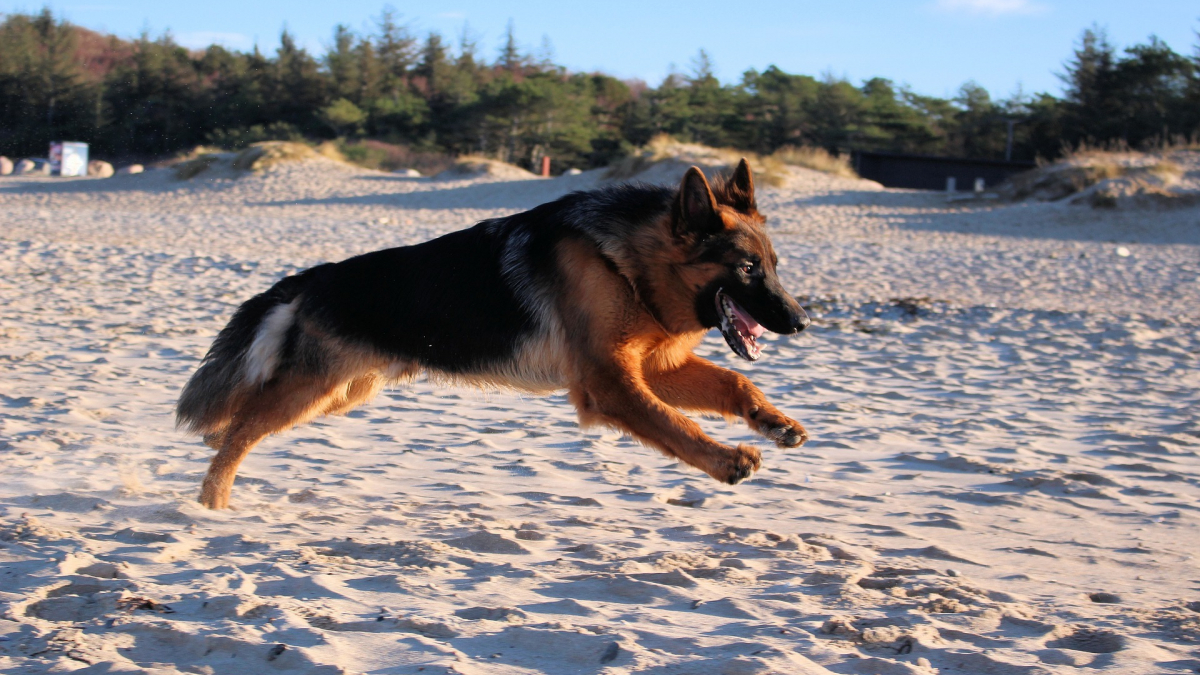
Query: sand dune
x=1003 y=478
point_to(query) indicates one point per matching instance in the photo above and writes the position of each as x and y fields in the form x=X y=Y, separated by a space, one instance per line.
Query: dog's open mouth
x=740 y=329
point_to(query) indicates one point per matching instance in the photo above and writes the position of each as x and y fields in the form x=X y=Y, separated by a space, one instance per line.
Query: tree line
x=151 y=96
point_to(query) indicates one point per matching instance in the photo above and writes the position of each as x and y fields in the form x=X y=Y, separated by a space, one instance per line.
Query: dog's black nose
x=800 y=322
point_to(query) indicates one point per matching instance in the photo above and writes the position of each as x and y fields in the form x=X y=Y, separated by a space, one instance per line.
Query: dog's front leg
x=703 y=386
x=614 y=396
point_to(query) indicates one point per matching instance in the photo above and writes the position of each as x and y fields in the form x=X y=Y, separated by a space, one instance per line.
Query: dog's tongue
x=747 y=323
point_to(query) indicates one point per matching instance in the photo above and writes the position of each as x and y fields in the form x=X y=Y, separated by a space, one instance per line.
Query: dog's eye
x=748 y=268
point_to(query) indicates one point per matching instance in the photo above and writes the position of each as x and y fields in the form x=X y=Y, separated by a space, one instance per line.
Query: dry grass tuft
x=257 y=157
x=267 y=154
x=475 y=165
x=1062 y=179
x=1085 y=151
x=767 y=170
x=329 y=150
x=627 y=167
x=1101 y=199
x=196 y=162
x=1147 y=185
x=1080 y=178
x=1166 y=170
x=1106 y=178
x=663 y=148
x=818 y=159
x=383 y=156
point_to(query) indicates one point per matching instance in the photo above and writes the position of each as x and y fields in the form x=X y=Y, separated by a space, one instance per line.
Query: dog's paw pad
x=742 y=464
x=791 y=436
x=786 y=433
x=775 y=426
x=738 y=476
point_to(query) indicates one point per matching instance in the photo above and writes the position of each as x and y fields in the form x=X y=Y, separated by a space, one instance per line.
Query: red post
x=546 y=166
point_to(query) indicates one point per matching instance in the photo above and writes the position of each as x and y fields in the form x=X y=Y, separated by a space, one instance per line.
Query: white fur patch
x=263 y=356
x=538 y=365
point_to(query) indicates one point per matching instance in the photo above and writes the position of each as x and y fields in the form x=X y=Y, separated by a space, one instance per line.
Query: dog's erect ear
x=739 y=188
x=696 y=211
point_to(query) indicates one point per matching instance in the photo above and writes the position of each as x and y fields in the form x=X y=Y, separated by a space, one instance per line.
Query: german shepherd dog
x=604 y=293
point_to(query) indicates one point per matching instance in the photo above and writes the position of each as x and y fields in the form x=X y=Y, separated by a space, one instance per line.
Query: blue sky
x=931 y=45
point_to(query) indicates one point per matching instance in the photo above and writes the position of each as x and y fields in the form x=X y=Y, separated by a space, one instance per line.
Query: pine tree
x=1094 y=108
x=153 y=96
x=709 y=104
x=837 y=114
x=468 y=51
x=434 y=66
x=511 y=59
x=58 y=74
x=702 y=69
x=299 y=85
x=44 y=92
x=1154 y=82
x=545 y=55
x=396 y=49
x=370 y=84
x=343 y=64
x=773 y=110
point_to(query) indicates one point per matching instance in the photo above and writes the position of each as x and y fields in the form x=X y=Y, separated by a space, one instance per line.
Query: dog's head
x=731 y=262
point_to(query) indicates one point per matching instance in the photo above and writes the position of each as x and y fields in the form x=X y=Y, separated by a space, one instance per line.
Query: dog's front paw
x=790 y=436
x=738 y=464
x=785 y=431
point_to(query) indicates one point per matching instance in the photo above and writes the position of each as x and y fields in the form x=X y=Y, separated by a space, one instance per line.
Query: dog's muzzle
x=738 y=328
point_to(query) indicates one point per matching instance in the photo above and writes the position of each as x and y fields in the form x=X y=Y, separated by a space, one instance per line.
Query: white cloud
x=201 y=39
x=991 y=7
x=450 y=15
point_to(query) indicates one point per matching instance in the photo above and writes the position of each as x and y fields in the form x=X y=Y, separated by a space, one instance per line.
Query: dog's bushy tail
x=211 y=395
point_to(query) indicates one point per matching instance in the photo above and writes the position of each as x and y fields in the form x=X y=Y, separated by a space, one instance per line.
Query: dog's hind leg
x=216 y=439
x=282 y=404
x=354 y=393
x=706 y=387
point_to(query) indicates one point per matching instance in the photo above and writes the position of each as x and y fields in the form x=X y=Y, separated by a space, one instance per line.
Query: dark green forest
x=151 y=97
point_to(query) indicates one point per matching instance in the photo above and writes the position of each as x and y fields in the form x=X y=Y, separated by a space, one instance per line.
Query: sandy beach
x=1003 y=476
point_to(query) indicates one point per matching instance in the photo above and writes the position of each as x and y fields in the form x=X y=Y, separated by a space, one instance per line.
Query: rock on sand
x=100 y=169
x=27 y=167
x=6 y=166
